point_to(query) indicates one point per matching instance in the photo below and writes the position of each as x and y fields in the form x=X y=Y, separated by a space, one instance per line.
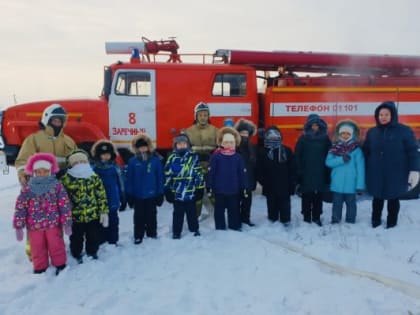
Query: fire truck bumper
x=3 y=159
x=3 y=163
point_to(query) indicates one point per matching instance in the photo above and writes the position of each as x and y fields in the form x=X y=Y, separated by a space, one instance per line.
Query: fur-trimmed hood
x=144 y=137
x=245 y=124
x=50 y=158
x=351 y=123
x=222 y=131
x=103 y=146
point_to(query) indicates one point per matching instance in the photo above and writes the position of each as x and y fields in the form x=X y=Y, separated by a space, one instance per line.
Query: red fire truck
x=156 y=90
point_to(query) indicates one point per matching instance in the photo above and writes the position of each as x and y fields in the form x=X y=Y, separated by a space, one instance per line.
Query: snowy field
x=266 y=269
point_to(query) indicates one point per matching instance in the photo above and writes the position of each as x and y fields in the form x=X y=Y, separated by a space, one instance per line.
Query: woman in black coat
x=392 y=163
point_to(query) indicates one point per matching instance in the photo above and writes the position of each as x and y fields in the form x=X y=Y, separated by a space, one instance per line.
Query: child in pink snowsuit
x=43 y=208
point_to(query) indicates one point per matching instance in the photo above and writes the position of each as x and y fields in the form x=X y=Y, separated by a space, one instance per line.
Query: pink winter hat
x=41 y=160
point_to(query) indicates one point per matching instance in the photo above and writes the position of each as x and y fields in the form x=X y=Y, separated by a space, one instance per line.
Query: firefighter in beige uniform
x=203 y=137
x=50 y=139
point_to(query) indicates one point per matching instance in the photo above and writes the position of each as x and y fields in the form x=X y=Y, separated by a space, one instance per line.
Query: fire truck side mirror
x=107 y=82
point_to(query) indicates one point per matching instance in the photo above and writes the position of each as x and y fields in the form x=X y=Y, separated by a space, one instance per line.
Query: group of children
x=86 y=200
x=83 y=202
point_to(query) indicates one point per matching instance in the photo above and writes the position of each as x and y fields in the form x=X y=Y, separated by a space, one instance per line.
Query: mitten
x=103 y=219
x=23 y=178
x=169 y=195
x=413 y=179
x=159 y=200
x=123 y=205
x=346 y=158
x=198 y=194
x=298 y=190
x=19 y=234
x=68 y=230
x=130 y=201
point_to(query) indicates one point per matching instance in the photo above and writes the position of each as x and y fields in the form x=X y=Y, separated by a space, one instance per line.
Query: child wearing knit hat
x=104 y=156
x=184 y=184
x=43 y=208
x=276 y=174
x=346 y=160
x=90 y=206
x=227 y=179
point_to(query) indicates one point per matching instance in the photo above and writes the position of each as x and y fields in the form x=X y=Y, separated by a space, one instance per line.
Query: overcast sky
x=55 y=49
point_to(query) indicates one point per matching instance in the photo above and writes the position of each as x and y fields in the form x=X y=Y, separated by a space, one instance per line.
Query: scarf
x=42 y=185
x=342 y=148
x=225 y=151
x=272 y=145
x=82 y=170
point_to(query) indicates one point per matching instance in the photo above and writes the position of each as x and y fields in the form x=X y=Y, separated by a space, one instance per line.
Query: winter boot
x=58 y=269
x=307 y=217
x=376 y=223
x=317 y=222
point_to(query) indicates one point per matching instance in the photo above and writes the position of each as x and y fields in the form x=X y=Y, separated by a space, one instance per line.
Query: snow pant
x=45 y=244
x=199 y=202
x=28 y=247
x=110 y=234
x=145 y=220
x=245 y=207
x=181 y=208
x=311 y=206
x=278 y=208
x=337 y=207
x=231 y=203
x=393 y=206
x=81 y=232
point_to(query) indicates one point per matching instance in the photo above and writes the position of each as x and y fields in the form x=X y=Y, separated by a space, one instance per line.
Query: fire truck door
x=132 y=106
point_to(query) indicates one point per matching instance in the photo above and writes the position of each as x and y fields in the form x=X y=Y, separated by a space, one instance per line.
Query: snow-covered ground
x=266 y=269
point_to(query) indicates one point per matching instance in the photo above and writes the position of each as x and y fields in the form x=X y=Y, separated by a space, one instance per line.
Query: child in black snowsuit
x=276 y=174
x=248 y=152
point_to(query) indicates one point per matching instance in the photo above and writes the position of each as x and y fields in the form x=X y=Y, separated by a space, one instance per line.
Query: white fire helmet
x=54 y=110
x=201 y=107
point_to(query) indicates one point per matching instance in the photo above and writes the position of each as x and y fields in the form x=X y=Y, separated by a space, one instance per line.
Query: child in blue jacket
x=346 y=160
x=227 y=179
x=184 y=184
x=145 y=180
x=104 y=155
